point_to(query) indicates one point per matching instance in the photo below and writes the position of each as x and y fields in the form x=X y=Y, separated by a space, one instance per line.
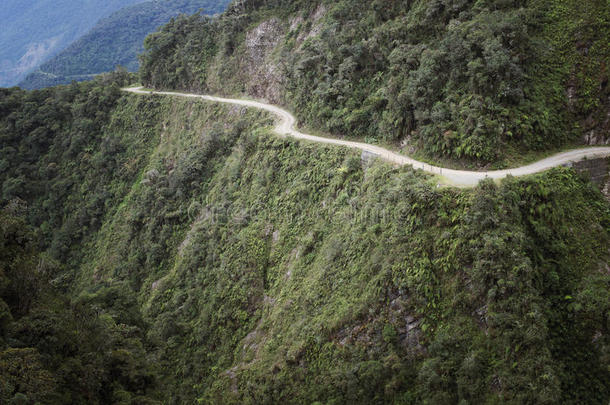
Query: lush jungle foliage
x=157 y=249
x=60 y=172
x=57 y=350
x=116 y=40
x=477 y=81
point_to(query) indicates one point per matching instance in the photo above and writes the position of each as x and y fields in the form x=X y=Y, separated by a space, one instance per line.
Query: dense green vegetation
x=56 y=350
x=167 y=250
x=477 y=81
x=177 y=251
x=115 y=40
x=35 y=30
x=60 y=172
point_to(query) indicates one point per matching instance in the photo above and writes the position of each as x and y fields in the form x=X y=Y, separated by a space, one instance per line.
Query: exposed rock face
x=596 y=138
x=367 y=158
x=596 y=126
x=265 y=76
x=598 y=133
x=598 y=170
x=316 y=26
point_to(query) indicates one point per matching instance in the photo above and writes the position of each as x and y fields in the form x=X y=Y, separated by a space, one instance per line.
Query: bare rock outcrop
x=264 y=73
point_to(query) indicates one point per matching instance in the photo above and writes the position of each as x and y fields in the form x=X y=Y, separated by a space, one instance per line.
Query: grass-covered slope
x=306 y=277
x=476 y=81
x=223 y=264
x=115 y=40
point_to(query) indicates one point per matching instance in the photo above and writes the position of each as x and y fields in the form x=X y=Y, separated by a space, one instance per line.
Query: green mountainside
x=34 y=30
x=482 y=82
x=195 y=256
x=161 y=250
x=115 y=40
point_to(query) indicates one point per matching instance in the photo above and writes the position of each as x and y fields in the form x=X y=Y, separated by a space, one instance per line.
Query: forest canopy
x=477 y=81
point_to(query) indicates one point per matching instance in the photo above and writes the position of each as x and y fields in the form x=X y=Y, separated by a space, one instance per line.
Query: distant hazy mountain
x=115 y=40
x=34 y=30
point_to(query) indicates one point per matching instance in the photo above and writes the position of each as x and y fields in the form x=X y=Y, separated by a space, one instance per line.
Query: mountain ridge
x=115 y=41
x=35 y=31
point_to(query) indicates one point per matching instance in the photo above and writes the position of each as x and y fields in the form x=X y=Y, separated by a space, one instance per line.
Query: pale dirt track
x=464 y=178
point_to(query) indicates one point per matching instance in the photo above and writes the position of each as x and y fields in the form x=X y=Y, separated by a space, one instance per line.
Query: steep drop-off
x=222 y=264
x=286 y=126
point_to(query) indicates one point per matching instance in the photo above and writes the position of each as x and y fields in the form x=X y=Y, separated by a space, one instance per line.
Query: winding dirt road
x=464 y=178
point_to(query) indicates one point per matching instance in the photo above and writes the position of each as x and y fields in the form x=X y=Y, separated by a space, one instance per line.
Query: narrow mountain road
x=463 y=178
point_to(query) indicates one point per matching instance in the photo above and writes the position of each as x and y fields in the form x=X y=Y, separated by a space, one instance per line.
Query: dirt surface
x=462 y=178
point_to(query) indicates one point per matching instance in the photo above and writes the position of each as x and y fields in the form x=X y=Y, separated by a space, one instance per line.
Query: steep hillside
x=169 y=250
x=472 y=83
x=222 y=264
x=116 y=40
x=59 y=174
x=34 y=30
